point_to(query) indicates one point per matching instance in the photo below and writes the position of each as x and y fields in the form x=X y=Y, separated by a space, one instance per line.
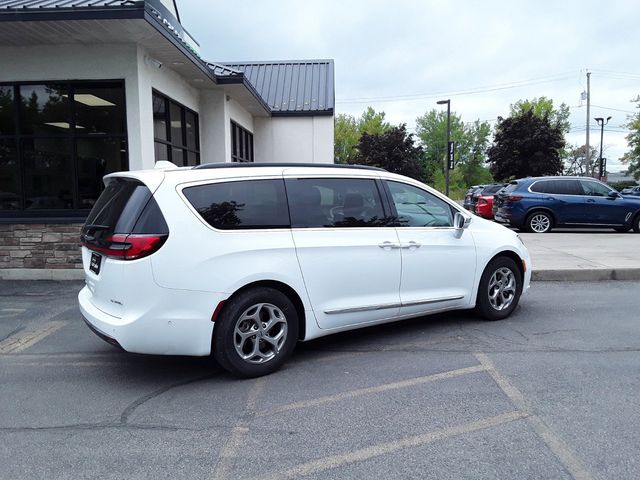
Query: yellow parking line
x=335 y=461
x=371 y=390
x=554 y=443
x=27 y=338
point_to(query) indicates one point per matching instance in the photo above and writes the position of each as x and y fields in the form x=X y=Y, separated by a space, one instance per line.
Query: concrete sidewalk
x=584 y=256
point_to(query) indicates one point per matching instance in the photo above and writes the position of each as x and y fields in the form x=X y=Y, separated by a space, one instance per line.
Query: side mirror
x=614 y=194
x=460 y=221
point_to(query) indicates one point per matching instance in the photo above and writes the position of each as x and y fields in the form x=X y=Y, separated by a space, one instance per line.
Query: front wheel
x=255 y=333
x=499 y=290
x=636 y=224
x=539 y=222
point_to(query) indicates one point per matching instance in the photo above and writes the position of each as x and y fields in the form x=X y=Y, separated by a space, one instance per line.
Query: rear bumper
x=176 y=322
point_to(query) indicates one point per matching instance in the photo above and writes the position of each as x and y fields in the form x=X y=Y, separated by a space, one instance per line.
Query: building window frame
x=71 y=137
x=241 y=144
x=190 y=155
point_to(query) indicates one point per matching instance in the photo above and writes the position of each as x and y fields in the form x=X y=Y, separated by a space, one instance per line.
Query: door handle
x=411 y=244
x=389 y=245
x=590 y=200
x=551 y=198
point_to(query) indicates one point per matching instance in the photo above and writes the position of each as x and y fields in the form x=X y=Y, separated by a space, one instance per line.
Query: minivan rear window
x=237 y=205
x=125 y=206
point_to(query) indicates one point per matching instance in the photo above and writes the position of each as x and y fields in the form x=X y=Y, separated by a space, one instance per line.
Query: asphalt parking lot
x=551 y=392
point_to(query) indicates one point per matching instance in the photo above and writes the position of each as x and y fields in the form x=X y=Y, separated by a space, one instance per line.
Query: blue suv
x=538 y=204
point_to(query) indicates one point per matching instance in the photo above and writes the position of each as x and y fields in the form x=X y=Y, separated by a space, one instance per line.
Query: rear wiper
x=97 y=227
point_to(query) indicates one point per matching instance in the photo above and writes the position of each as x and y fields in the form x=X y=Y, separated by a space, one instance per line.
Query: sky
x=402 y=56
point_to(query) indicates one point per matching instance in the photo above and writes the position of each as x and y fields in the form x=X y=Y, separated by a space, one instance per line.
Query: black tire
x=225 y=336
x=636 y=223
x=539 y=222
x=622 y=229
x=484 y=306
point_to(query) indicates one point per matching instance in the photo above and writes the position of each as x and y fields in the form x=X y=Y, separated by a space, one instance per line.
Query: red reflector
x=514 y=198
x=216 y=312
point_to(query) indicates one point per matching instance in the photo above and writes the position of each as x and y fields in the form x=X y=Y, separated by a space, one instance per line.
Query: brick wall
x=42 y=246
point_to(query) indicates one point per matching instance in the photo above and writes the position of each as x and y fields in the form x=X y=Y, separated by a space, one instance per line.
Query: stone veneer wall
x=40 y=246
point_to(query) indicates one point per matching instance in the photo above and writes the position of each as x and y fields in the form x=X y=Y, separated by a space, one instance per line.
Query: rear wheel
x=499 y=290
x=636 y=223
x=539 y=222
x=255 y=332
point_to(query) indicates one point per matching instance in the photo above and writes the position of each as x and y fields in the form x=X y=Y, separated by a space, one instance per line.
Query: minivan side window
x=241 y=205
x=594 y=189
x=419 y=208
x=335 y=202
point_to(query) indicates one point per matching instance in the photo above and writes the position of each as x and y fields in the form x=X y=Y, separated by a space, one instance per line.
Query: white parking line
x=232 y=447
x=11 y=312
x=553 y=442
x=27 y=338
x=367 y=453
x=371 y=390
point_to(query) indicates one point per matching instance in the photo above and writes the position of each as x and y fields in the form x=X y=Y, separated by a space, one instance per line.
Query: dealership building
x=89 y=87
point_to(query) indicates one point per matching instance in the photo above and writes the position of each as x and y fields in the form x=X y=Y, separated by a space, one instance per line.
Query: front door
x=348 y=252
x=600 y=208
x=438 y=261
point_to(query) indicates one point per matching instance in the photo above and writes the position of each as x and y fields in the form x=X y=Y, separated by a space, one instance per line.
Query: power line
x=470 y=91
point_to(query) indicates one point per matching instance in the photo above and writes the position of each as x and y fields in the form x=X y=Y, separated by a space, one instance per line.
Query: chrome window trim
x=383 y=306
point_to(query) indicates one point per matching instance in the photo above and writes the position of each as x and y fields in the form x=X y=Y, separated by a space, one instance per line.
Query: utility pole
x=446 y=161
x=602 y=122
x=587 y=154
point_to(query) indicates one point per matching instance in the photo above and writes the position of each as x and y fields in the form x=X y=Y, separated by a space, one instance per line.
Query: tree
x=526 y=145
x=471 y=144
x=543 y=107
x=632 y=157
x=576 y=161
x=348 y=131
x=394 y=150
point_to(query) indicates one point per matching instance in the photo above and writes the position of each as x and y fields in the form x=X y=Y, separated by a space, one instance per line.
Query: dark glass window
x=250 y=204
x=419 y=208
x=57 y=141
x=96 y=158
x=540 y=187
x=241 y=144
x=44 y=109
x=99 y=109
x=47 y=180
x=334 y=202
x=175 y=130
x=7 y=111
x=9 y=176
x=562 y=187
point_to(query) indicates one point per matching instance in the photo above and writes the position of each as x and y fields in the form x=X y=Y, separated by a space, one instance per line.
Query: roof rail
x=283 y=164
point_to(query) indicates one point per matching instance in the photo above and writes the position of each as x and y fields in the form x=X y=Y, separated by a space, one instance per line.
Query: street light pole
x=446 y=160
x=601 y=121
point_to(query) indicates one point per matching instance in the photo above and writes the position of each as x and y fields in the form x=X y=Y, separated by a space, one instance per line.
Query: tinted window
x=543 y=186
x=241 y=205
x=510 y=188
x=45 y=109
x=594 y=188
x=9 y=176
x=48 y=167
x=99 y=109
x=491 y=189
x=557 y=187
x=334 y=202
x=419 y=208
x=125 y=206
x=7 y=111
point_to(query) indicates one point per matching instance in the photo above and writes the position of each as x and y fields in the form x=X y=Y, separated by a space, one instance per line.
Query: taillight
x=126 y=247
x=482 y=201
x=514 y=198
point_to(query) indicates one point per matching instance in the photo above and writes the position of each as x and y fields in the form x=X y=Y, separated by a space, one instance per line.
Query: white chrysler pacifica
x=243 y=260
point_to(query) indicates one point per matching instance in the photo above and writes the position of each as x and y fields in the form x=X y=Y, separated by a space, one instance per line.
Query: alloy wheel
x=502 y=288
x=260 y=333
x=540 y=223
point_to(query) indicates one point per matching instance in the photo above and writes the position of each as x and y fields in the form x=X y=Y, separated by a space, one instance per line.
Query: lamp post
x=602 y=122
x=446 y=162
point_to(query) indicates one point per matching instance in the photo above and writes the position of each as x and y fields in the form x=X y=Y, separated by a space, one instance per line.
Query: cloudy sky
x=402 y=56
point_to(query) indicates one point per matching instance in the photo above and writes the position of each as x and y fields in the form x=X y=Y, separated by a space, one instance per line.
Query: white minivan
x=243 y=260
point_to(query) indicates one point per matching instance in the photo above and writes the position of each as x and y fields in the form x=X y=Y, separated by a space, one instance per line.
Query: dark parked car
x=468 y=197
x=538 y=204
x=635 y=191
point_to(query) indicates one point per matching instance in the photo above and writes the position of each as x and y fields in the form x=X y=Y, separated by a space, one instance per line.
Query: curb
x=586 y=275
